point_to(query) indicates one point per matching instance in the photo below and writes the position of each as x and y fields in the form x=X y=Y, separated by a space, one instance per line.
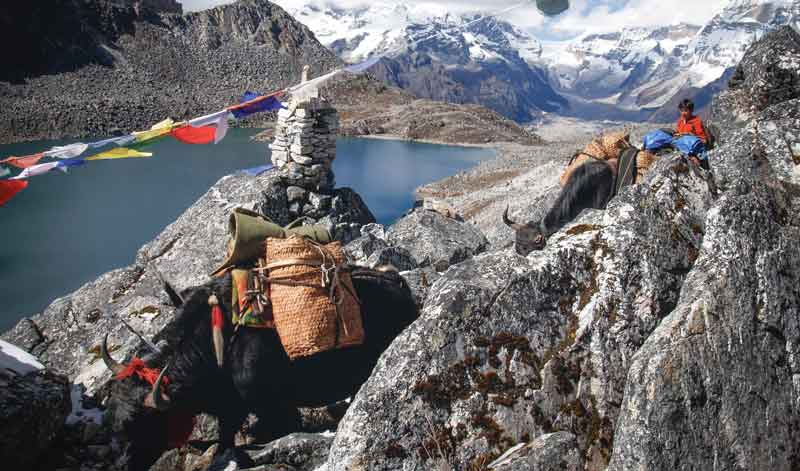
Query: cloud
x=584 y=16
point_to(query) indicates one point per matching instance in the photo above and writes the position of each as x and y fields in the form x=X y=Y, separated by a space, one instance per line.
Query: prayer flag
x=9 y=188
x=4 y=171
x=310 y=89
x=219 y=119
x=67 y=152
x=193 y=135
x=252 y=103
x=23 y=162
x=117 y=141
x=65 y=164
x=119 y=153
x=363 y=66
x=159 y=129
x=35 y=170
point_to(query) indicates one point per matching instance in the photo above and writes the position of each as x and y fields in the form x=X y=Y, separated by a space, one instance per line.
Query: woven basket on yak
x=314 y=304
x=608 y=146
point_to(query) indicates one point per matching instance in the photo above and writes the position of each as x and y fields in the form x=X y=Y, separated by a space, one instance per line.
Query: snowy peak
x=389 y=28
x=434 y=53
x=722 y=42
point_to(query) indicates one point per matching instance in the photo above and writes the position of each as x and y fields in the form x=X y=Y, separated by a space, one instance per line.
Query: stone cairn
x=303 y=150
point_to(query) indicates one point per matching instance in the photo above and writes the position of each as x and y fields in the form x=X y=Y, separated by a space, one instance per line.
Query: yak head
x=529 y=236
x=140 y=411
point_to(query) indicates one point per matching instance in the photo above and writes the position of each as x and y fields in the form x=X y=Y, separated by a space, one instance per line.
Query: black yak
x=590 y=186
x=257 y=375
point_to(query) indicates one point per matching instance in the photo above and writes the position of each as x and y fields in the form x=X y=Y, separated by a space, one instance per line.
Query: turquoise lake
x=65 y=230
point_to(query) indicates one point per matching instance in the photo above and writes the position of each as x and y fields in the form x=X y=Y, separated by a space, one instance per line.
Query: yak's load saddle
x=293 y=279
x=629 y=163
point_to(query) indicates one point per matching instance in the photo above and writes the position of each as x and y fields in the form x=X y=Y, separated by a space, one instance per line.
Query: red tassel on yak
x=217 y=323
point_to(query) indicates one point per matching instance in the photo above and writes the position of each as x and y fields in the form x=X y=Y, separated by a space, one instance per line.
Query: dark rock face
x=104 y=68
x=435 y=240
x=33 y=408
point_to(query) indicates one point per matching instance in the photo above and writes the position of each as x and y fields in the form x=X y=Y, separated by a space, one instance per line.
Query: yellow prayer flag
x=157 y=130
x=120 y=153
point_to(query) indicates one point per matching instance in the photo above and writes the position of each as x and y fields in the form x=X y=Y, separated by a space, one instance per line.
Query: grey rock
x=767 y=75
x=398 y=257
x=420 y=281
x=723 y=366
x=33 y=408
x=301 y=451
x=436 y=240
x=378 y=230
x=549 y=452
x=296 y=193
x=302 y=159
x=360 y=249
x=510 y=347
x=320 y=201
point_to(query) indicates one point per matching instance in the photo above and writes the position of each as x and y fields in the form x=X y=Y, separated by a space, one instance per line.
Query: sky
x=584 y=16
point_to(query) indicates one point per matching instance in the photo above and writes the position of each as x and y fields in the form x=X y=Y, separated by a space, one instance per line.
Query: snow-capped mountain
x=469 y=58
x=646 y=68
x=438 y=55
x=631 y=69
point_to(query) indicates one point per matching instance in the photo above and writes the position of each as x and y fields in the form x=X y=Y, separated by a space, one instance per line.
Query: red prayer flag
x=9 y=188
x=23 y=162
x=193 y=135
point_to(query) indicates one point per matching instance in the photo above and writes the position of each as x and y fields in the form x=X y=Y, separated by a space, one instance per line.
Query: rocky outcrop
x=660 y=333
x=509 y=348
x=421 y=245
x=436 y=240
x=766 y=76
x=34 y=404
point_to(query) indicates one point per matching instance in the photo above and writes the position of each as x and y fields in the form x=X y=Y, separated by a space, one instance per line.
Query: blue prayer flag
x=268 y=104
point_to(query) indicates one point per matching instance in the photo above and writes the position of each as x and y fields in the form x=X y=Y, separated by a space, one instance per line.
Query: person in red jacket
x=688 y=123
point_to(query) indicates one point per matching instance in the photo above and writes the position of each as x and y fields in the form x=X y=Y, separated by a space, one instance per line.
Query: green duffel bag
x=248 y=231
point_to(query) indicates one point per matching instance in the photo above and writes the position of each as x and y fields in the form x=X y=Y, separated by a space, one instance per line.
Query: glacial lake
x=64 y=230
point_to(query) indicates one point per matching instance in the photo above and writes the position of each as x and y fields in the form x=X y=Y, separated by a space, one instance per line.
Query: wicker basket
x=306 y=318
x=608 y=146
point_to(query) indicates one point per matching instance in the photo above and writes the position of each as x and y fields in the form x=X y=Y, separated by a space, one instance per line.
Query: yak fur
x=590 y=186
x=257 y=376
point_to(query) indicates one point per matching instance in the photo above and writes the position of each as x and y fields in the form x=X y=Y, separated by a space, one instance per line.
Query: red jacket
x=692 y=125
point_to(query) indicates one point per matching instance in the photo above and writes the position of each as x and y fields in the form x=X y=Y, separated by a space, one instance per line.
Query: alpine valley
x=635 y=73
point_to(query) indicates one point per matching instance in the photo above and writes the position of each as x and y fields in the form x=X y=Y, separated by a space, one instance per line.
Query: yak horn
x=157 y=400
x=508 y=222
x=111 y=364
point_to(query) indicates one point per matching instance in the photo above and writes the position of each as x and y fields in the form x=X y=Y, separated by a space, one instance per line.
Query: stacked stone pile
x=303 y=149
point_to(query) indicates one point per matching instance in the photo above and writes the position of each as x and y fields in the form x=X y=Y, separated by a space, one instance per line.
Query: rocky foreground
x=661 y=333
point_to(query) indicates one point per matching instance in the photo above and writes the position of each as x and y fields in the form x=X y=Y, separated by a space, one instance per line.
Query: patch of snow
x=328 y=434
x=17 y=360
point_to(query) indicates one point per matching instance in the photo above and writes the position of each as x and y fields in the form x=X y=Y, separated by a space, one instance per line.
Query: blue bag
x=690 y=145
x=657 y=139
